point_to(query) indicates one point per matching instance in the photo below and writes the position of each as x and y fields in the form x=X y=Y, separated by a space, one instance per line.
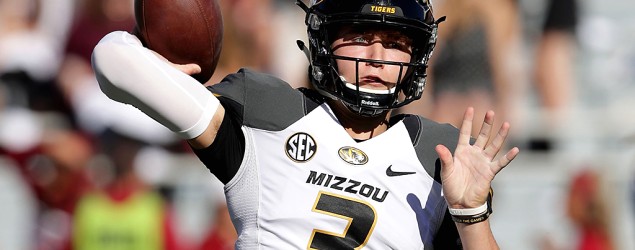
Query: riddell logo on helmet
x=373 y=103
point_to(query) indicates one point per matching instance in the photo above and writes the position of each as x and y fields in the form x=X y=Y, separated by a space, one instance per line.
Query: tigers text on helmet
x=412 y=18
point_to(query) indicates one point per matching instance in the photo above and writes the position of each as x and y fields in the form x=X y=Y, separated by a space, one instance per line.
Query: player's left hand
x=467 y=175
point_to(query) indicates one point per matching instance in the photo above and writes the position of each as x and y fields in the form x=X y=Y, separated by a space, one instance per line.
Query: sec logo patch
x=300 y=147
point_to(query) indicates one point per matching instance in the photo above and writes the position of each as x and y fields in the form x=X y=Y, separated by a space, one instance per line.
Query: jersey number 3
x=361 y=218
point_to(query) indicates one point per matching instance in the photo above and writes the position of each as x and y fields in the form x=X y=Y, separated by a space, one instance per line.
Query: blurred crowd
x=79 y=171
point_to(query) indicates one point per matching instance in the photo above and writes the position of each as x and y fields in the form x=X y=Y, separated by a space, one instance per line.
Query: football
x=183 y=31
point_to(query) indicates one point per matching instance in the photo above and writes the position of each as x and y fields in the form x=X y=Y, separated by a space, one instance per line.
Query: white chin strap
x=366 y=90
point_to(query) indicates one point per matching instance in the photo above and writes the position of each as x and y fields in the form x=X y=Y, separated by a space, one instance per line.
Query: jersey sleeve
x=425 y=135
x=250 y=99
x=224 y=156
x=260 y=101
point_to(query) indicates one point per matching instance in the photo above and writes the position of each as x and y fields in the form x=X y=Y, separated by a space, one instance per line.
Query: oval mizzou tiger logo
x=300 y=147
x=353 y=155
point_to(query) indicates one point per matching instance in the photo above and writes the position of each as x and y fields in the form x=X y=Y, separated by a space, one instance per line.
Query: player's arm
x=129 y=73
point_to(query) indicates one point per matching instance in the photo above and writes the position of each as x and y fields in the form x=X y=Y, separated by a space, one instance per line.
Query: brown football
x=183 y=31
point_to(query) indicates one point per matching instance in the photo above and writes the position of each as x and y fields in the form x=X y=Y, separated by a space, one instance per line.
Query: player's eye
x=361 y=39
x=398 y=45
x=394 y=45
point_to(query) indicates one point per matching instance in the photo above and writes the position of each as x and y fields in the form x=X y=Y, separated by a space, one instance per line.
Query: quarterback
x=329 y=167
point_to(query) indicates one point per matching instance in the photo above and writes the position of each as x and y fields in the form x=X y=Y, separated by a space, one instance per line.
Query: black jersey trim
x=412 y=123
x=312 y=99
x=234 y=108
x=447 y=236
x=224 y=157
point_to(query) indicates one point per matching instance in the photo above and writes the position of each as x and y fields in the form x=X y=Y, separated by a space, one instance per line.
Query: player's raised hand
x=468 y=173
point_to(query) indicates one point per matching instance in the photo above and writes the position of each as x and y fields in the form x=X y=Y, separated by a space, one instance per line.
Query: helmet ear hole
x=317 y=73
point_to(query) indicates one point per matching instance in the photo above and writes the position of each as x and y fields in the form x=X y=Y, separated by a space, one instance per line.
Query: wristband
x=473 y=215
x=469 y=211
x=471 y=219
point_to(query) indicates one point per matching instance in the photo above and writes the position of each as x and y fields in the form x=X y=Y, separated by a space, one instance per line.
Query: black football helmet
x=411 y=17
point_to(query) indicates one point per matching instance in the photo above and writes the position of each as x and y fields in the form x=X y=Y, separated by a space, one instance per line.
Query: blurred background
x=79 y=171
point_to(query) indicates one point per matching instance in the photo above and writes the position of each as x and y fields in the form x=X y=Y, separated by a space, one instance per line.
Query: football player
x=328 y=167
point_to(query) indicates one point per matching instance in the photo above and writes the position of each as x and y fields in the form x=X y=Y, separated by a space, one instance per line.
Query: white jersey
x=304 y=183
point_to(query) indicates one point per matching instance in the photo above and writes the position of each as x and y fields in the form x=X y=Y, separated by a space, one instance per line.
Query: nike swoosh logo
x=392 y=173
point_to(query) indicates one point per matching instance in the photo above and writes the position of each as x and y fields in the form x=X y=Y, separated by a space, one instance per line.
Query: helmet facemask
x=324 y=73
